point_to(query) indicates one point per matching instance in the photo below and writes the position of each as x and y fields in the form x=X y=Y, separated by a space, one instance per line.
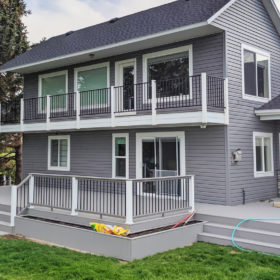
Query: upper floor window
x=256 y=74
x=171 y=69
x=263 y=154
x=93 y=82
x=54 y=84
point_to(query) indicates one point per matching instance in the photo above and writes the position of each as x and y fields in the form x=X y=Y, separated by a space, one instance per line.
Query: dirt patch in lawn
x=11 y=236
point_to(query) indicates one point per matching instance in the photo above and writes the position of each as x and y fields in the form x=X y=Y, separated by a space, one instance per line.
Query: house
x=144 y=115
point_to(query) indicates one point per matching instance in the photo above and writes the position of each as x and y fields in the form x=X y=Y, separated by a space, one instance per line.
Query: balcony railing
x=128 y=199
x=10 y=112
x=198 y=93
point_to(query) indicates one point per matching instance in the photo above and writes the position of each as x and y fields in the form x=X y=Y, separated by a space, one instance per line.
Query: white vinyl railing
x=122 y=198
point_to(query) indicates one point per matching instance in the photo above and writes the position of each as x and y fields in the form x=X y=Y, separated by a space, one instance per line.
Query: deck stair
x=5 y=218
x=262 y=236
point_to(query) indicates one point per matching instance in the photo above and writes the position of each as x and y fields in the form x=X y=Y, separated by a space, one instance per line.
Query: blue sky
x=54 y=17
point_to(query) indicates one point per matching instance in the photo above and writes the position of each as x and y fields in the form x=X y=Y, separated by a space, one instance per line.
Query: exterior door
x=127 y=79
x=160 y=158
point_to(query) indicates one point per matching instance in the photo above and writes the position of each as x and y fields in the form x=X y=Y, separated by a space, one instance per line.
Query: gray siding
x=207 y=52
x=247 y=21
x=91 y=155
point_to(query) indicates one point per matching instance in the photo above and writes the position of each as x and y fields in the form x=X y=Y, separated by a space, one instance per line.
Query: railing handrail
x=89 y=90
x=23 y=181
x=112 y=179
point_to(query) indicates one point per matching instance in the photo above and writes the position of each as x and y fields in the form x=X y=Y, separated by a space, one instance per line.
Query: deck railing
x=35 y=108
x=200 y=93
x=128 y=199
x=10 y=111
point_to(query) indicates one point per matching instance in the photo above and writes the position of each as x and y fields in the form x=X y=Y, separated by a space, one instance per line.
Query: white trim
x=119 y=66
x=267 y=112
x=146 y=57
x=188 y=48
x=91 y=67
x=261 y=52
x=140 y=121
x=258 y=174
x=115 y=45
x=50 y=75
x=59 y=137
x=219 y=12
x=126 y=136
x=151 y=135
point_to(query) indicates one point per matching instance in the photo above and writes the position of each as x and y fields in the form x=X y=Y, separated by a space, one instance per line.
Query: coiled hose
x=238 y=225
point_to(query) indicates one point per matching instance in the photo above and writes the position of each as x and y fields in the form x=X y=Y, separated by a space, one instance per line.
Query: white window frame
x=261 y=52
x=114 y=157
x=59 y=137
x=146 y=57
x=119 y=65
x=92 y=67
x=50 y=75
x=259 y=174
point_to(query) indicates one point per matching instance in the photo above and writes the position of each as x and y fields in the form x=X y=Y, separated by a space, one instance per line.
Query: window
x=59 y=153
x=263 y=154
x=93 y=83
x=120 y=155
x=171 y=69
x=53 y=84
x=256 y=74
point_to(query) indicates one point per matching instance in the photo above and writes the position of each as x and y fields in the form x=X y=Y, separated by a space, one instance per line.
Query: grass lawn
x=21 y=259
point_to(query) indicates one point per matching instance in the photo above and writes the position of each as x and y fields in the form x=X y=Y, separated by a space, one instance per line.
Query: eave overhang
x=133 y=45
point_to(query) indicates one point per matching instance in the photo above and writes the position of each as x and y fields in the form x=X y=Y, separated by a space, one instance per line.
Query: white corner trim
x=152 y=135
x=261 y=52
x=218 y=13
x=126 y=136
x=91 y=67
x=50 y=75
x=188 y=48
x=267 y=112
x=115 y=45
x=59 y=137
x=119 y=65
x=258 y=174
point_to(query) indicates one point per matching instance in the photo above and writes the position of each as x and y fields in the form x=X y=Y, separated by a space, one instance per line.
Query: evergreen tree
x=13 y=41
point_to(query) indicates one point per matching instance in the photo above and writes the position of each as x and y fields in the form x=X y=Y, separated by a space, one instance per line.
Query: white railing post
x=74 y=196
x=13 y=204
x=129 y=202
x=191 y=192
x=204 y=99
x=31 y=192
x=154 y=101
x=113 y=105
x=78 y=108
x=21 y=112
x=226 y=101
x=48 y=115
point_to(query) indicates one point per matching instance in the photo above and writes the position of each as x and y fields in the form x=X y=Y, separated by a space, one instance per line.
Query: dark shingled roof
x=169 y=16
x=272 y=104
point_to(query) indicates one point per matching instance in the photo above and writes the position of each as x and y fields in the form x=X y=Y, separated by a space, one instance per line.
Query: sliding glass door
x=160 y=158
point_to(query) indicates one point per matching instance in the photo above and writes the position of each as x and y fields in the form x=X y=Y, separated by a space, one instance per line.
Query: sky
x=53 y=17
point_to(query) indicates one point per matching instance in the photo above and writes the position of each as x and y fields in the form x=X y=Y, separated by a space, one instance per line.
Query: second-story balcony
x=197 y=100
